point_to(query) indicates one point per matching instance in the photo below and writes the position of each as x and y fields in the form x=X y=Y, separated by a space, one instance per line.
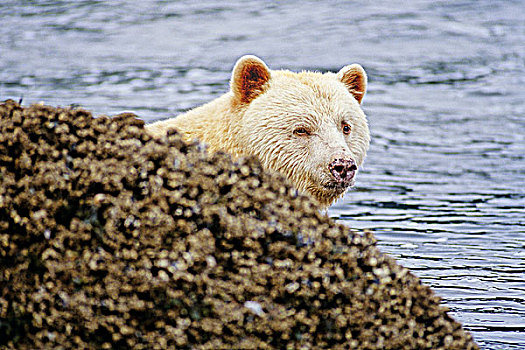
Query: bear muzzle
x=343 y=171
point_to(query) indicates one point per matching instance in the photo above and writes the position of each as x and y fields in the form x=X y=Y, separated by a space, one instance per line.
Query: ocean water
x=443 y=187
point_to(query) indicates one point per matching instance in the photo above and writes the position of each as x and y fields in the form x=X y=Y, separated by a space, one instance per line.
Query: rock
x=110 y=239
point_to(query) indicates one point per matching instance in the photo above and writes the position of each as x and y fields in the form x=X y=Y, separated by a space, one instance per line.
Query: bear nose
x=343 y=170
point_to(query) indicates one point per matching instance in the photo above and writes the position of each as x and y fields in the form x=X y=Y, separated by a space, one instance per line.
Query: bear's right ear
x=354 y=78
x=249 y=76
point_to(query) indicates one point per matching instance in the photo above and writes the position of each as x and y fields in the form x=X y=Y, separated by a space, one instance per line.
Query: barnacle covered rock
x=110 y=239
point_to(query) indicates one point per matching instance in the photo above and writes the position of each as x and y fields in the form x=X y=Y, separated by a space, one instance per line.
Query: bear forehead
x=311 y=84
x=309 y=91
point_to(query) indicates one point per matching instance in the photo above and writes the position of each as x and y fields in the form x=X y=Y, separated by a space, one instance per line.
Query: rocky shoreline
x=110 y=239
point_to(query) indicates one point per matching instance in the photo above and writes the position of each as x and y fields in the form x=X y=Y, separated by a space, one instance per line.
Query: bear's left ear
x=249 y=76
x=354 y=78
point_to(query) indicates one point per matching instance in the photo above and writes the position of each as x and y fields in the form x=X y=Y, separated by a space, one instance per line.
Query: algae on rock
x=111 y=239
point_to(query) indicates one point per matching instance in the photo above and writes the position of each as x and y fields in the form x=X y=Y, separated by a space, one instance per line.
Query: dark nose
x=343 y=170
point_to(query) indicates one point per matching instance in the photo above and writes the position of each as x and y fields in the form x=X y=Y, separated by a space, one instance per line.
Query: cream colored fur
x=292 y=122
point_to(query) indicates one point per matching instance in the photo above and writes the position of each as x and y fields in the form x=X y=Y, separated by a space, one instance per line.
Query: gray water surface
x=443 y=187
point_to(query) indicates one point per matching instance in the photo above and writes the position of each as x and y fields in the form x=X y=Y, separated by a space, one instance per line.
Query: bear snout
x=343 y=170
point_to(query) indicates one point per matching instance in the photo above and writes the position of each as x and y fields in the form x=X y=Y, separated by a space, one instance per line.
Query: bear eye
x=301 y=131
x=346 y=129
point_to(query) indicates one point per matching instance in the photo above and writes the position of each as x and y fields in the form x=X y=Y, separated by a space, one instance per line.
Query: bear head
x=308 y=126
